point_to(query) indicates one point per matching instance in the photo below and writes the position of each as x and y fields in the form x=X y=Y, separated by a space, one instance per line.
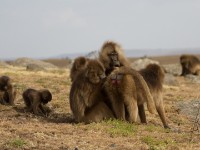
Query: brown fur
x=35 y=99
x=108 y=48
x=8 y=93
x=154 y=77
x=190 y=65
x=131 y=81
x=126 y=90
x=78 y=65
x=86 y=98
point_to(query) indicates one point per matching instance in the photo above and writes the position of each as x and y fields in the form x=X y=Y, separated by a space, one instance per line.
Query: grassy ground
x=20 y=130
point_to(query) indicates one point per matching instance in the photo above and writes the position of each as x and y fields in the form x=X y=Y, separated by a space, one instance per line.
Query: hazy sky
x=45 y=28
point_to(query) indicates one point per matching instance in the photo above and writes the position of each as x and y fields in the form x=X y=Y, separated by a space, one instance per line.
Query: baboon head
x=79 y=64
x=4 y=82
x=157 y=70
x=187 y=62
x=46 y=96
x=95 y=72
x=111 y=55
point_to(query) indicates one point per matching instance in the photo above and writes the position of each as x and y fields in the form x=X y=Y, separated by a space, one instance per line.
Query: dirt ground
x=20 y=130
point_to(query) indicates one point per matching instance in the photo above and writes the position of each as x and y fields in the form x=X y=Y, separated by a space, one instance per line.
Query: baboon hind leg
x=160 y=110
x=98 y=113
x=132 y=108
x=142 y=114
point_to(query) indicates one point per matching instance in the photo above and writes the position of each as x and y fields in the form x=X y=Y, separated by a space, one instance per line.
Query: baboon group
x=33 y=99
x=106 y=88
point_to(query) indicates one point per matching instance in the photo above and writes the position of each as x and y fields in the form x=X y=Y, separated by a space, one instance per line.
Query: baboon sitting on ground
x=8 y=93
x=86 y=99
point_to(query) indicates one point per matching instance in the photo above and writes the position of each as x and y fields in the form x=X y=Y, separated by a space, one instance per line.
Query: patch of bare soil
x=23 y=131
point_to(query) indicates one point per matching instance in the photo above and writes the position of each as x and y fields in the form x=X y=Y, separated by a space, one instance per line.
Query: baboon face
x=112 y=56
x=114 y=61
x=95 y=72
x=46 y=96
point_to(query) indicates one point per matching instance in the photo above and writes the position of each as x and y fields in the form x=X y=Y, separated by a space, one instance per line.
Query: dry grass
x=20 y=130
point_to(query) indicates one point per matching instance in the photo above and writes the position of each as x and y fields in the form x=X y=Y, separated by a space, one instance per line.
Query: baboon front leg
x=35 y=108
x=142 y=114
x=42 y=109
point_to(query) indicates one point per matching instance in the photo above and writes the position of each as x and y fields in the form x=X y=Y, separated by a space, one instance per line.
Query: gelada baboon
x=154 y=75
x=112 y=55
x=8 y=93
x=78 y=65
x=190 y=65
x=86 y=99
x=35 y=99
x=126 y=90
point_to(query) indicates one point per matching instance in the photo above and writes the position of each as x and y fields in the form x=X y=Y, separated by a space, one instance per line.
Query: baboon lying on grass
x=190 y=65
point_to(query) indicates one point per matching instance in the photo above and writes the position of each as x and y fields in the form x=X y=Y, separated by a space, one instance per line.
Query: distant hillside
x=138 y=53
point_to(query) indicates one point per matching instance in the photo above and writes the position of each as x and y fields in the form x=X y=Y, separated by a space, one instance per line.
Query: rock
x=24 y=62
x=170 y=80
x=174 y=69
x=34 y=67
x=189 y=108
x=193 y=78
x=92 y=55
x=142 y=63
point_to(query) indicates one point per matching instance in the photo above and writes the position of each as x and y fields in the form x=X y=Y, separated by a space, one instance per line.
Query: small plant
x=18 y=143
x=121 y=128
x=156 y=144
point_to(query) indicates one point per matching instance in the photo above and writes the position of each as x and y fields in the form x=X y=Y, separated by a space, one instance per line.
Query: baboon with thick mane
x=154 y=75
x=8 y=93
x=127 y=90
x=86 y=99
x=35 y=99
x=78 y=65
x=135 y=89
x=112 y=55
x=190 y=65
